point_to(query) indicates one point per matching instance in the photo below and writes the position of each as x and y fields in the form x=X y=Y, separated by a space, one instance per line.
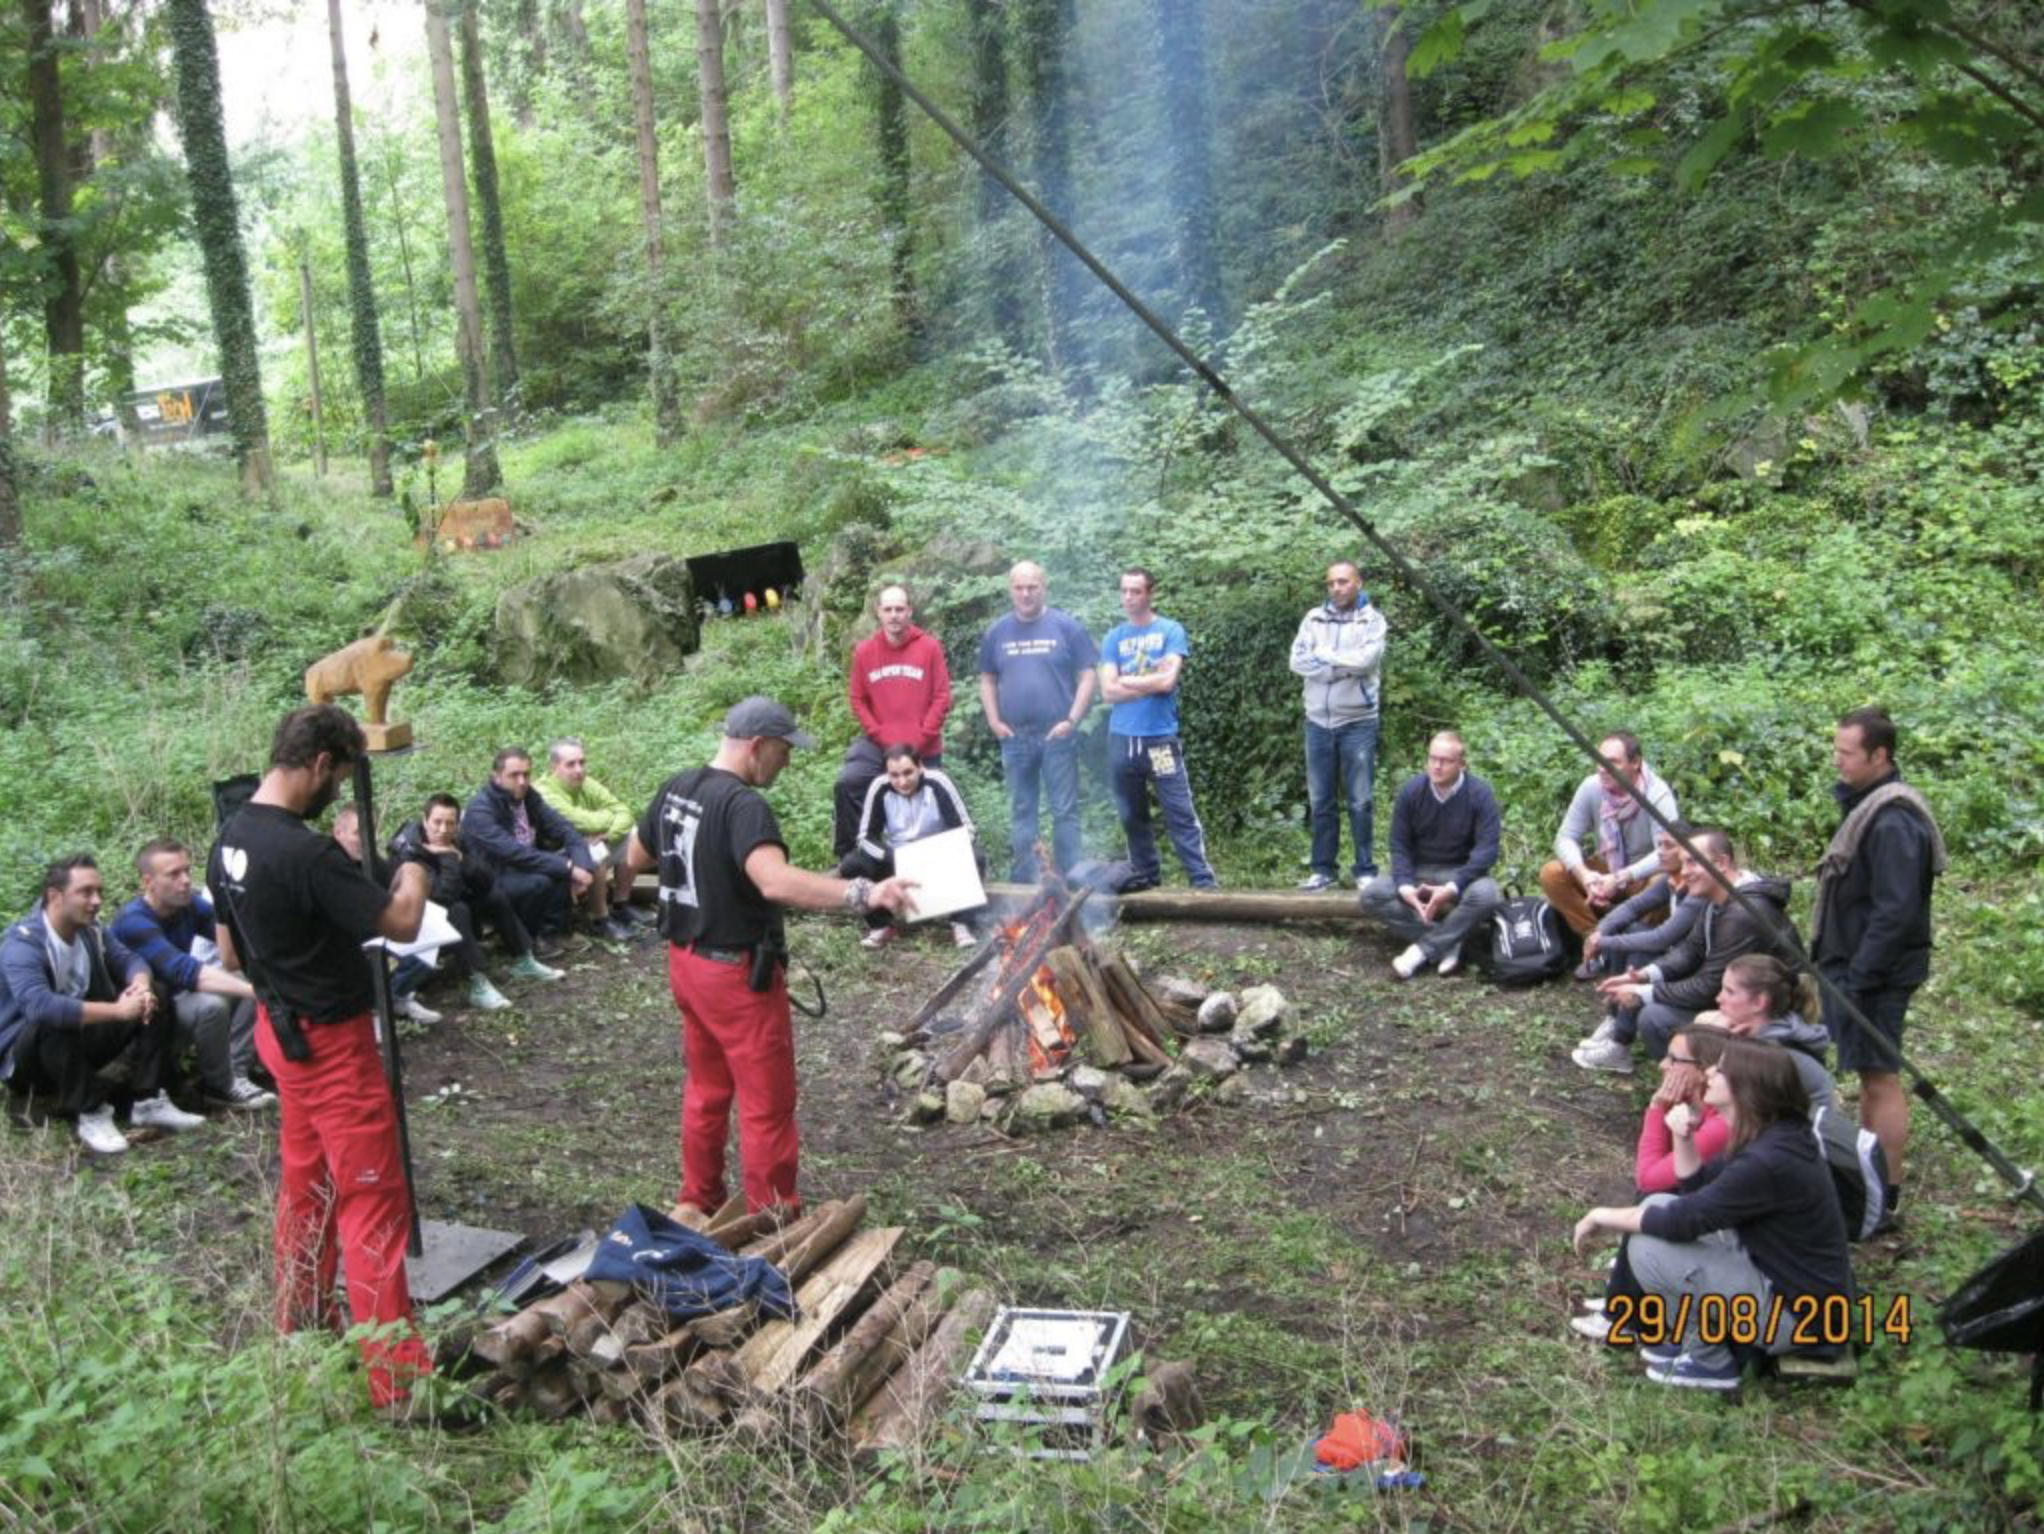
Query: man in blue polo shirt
x=1035 y=685
x=1140 y=662
x=1445 y=829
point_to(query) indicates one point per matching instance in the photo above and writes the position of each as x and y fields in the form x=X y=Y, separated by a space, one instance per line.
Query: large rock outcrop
x=635 y=618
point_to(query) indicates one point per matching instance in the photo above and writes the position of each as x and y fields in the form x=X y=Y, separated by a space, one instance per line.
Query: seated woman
x=1762 y=998
x=465 y=886
x=1760 y=1223
x=1638 y=930
x=911 y=802
x=1693 y=1050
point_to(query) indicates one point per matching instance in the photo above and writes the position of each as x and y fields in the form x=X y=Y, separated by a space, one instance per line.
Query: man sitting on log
x=604 y=821
x=73 y=999
x=541 y=861
x=1582 y=885
x=1652 y=1003
x=900 y=688
x=1445 y=827
x=912 y=801
x=172 y=927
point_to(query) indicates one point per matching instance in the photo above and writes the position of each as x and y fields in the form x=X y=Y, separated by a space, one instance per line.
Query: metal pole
x=386 y=1029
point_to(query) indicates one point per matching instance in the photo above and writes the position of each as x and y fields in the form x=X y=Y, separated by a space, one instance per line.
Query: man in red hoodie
x=901 y=691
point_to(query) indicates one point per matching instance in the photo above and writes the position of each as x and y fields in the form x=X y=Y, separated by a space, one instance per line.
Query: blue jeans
x=1031 y=764
x=1346 y=755
x=1134 y=763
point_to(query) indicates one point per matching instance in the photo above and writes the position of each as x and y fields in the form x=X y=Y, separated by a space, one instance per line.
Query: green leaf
x=1703 y=156
x=1437 y=45
x=1814 y=129
x=1634 y=165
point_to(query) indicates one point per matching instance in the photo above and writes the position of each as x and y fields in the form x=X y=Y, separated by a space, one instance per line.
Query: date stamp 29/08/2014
x=1743 y=1320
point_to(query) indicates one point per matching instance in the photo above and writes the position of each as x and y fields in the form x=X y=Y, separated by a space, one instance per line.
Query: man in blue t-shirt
x=1035 y=684
x=1140 y=661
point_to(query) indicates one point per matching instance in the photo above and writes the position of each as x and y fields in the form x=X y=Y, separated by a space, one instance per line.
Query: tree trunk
x=987 y=96
x=102 y=151
x=895 y=205
x=1043 y=27
x=1397 y=141
x=780 y=55
x=63 y=287
x=532 y=39
x=482 y=146
x=10 y=492
x=659 y=370
x=575 y=33
x=480 y=474
x=723 y=187
x=215 y=220
x=1182 y=51
x=312 y=359
x=365 y=329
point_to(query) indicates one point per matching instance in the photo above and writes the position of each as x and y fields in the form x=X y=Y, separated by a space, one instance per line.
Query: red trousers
x=735 y=1041
x=343 y=1176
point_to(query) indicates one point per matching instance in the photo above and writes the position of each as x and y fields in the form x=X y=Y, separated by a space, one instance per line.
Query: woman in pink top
x=1690 y=1053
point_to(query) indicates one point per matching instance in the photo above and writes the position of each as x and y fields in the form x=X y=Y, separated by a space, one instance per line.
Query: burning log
x=1137 y=1009
x=1017 y=977
x=1087 y=1005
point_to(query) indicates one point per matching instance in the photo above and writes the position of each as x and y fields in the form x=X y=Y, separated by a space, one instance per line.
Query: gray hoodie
x=1807 y=1044
x=1339 y=654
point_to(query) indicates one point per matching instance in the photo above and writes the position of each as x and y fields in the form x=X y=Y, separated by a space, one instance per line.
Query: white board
x=945 y=873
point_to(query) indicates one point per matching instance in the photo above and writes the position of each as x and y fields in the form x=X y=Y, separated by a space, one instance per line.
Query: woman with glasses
x=1700 y=1270
x=1691 y=1052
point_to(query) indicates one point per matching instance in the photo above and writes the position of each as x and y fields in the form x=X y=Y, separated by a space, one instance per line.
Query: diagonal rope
x=1775 y=923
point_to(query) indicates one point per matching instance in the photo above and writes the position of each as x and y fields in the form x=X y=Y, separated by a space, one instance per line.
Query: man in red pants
x=724 y=875
x=297 y=909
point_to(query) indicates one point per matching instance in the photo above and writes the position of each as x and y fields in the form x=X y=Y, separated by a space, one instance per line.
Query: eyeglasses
x=1681 y=1060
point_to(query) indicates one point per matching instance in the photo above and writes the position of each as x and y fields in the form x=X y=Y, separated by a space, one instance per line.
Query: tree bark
x=987 y=97
x=659 y=369
x=1182 y=51
x=532 y=38
x=1397 y=141
x=102 y=151
x=312 y=360
x=723 y=186
x=216 y=221
x=896 y=208
x=63 y=286
x=480 y=474
x=10 y=490
x=1043 y=29
x=780 y=56
x=482 y=146
x=365 y=328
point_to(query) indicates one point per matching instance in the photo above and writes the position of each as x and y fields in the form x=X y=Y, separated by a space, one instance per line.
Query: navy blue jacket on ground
x=683 y=1271
x=28 y=997
x=1461 y=833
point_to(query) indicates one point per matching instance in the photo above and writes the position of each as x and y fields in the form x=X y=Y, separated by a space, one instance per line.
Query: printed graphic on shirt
x=683 y=819
x=895 y=672
x=1138 y=654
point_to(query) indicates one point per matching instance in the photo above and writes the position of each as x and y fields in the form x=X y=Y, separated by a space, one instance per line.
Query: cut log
x=726 y=1328
x=934 y=1007
x=830 y=1233
x=553 y=1393
x=648 y=1362
x=896 y=1348
x=771 y=1245
x=1018 y=974
x=727 y=1214
x=517 y=1338
x=825 y=1392
x=604 y=1345
x=774 y=1354
x=1088 y=1008
x=1239 y=906
x=1131 y=999
x=747 y=1227
x=610 y=1410
x=902 y=1411
x=688 y=1407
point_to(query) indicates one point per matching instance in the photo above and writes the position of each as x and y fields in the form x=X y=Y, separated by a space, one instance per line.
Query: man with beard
x=297 y=910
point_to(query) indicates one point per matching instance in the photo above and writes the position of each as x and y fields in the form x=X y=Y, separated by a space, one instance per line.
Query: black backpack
x=1858 y=1170
x=1526 y=946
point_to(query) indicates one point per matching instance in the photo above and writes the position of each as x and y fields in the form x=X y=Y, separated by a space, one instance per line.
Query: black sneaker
x=611 y=930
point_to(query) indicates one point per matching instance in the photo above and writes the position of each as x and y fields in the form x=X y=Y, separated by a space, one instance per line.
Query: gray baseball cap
x=756 y=716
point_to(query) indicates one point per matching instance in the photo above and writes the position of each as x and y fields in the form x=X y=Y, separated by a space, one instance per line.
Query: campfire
x=1045 y=1027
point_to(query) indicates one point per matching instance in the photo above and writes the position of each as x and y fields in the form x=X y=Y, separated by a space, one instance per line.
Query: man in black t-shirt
x=296 y=910
x=724 y=876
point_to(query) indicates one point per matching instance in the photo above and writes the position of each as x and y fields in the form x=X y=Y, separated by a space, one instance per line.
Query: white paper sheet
x=945 y=875
x=435 y=933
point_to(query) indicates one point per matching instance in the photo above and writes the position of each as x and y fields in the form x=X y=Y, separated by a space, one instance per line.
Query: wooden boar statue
x=369 y=666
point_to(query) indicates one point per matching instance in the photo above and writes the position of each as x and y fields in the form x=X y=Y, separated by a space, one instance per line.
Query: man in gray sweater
x=1604 y=851
x=1339 y=651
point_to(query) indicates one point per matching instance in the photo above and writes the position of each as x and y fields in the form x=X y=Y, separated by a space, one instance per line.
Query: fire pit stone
x=1209 y=1058
x=1049 y=1105
x=1262 y=1010
x=1217 y=1013
x=963 y=1101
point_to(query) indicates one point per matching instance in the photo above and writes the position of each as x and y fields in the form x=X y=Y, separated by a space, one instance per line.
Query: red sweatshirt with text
x=902 y=692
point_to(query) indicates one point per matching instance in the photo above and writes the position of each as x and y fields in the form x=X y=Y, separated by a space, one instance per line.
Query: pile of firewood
x=871 y=1353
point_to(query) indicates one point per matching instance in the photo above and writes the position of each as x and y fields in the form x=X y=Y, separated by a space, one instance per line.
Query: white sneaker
x=159 y=1112
x=100 y=1134
x=246 y=1096
x=1450 y=961
x=962 y=935
x=485 y=997
x=417 y=1011
x=1604 y=1055
x=879 y=937
x=1409 y=963
x=1312 y=884
x=1602 y=1033
x=1595 y=1327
